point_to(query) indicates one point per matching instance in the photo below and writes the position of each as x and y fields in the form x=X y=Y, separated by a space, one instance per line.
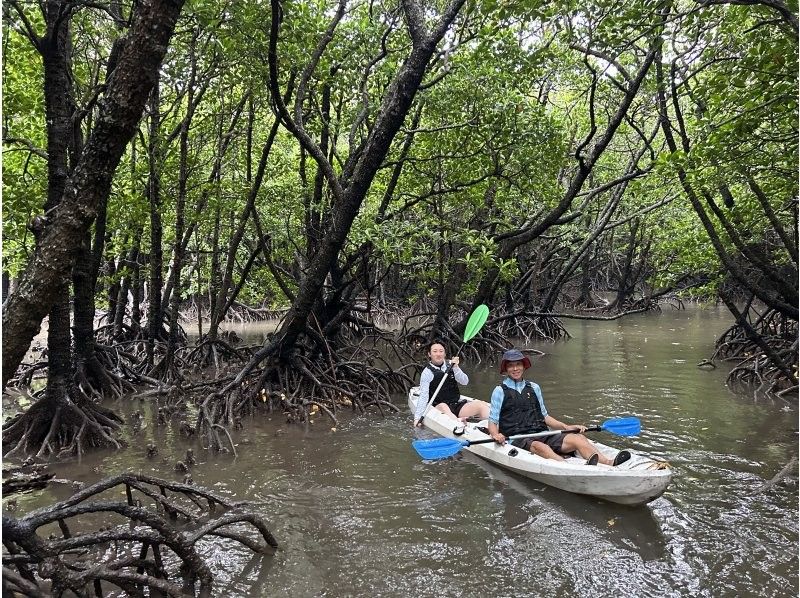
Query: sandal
x=621 y=457
x=593 y=459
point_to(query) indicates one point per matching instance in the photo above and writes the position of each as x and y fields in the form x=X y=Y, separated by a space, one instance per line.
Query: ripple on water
x=357 y=513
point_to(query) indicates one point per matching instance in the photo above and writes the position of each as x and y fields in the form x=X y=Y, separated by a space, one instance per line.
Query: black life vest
x=520 y=413
x=450 y=393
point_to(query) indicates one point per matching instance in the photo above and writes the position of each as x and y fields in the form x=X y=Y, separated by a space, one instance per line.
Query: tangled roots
x=301 y=388
x=127 y=556
x=67 y=423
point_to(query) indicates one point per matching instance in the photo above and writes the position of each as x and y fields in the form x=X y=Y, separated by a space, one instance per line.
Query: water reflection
x=357 y=513
x=630 y=528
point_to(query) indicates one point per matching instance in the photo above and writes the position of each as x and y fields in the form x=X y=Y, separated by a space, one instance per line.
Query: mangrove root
x=129 y=554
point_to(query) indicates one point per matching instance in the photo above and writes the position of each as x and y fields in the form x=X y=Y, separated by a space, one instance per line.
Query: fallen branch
x=787 y=469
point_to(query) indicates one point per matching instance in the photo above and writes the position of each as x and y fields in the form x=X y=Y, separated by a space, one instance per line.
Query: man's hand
x=499 y=438
x=455 y=361
x=494 y=432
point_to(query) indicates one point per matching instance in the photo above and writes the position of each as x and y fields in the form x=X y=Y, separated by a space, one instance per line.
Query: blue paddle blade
x=622 y=426
x=437 y=448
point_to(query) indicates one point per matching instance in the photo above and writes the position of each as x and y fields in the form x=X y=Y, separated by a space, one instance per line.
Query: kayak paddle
x=474 y=324
x=441 y=448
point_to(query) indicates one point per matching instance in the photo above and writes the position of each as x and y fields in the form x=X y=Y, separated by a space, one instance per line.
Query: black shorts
x=554 y=441
x=454 y=407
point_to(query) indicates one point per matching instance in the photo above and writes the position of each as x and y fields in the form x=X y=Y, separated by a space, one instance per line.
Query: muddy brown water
x=357 y=513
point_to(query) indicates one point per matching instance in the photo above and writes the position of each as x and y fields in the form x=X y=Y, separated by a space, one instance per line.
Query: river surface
x=357 y=513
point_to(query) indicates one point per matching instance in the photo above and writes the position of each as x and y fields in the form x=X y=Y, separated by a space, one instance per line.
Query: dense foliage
x=555 y=155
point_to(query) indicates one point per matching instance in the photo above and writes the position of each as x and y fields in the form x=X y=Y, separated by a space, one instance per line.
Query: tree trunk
x=114 y=287
x=124 y=289
x=180 y=208
x=82 y=280
x=585 y=298
x=49 y=268
x=6 y=285
x=59 y=112
x=136 y=287
x=626 y=284
x=42 y=426
x=155 y=313
x=224 y=141
x=394 y=108
x=215 y=281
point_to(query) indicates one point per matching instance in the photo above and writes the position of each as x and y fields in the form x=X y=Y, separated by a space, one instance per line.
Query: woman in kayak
x=449 y=400
x=517 y=407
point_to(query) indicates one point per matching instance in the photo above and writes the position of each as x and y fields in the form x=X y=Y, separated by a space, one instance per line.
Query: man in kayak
x=449 y=400
x=517 y=407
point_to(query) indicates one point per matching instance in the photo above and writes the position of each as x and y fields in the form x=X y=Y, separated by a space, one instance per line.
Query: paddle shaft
x=536 y=435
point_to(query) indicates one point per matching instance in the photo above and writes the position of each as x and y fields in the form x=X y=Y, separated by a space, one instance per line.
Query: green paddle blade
x=476 y=321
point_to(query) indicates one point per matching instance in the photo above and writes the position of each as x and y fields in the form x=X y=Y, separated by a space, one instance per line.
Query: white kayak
x=635 y=482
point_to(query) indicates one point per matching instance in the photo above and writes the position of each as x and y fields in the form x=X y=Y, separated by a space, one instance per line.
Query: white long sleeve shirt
x=425 y=380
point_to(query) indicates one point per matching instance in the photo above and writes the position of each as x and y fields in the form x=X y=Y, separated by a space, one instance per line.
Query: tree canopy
x=341 y=161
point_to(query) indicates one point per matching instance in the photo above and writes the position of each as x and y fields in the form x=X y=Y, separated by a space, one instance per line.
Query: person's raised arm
x=460 y=375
